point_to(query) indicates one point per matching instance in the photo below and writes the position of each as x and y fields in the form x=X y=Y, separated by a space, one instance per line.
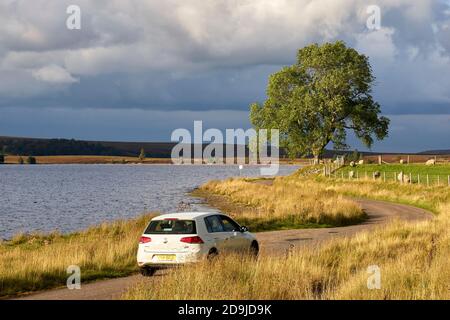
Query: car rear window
x=171 y=227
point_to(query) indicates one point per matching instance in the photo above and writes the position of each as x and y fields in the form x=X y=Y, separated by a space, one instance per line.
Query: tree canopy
x=316 y=100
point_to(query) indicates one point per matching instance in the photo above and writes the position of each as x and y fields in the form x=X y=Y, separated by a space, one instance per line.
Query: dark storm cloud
x=222 y=89
x=179 y=55
x=192 y=55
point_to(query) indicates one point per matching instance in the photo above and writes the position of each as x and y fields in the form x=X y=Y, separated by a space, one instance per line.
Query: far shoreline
x=80 y=159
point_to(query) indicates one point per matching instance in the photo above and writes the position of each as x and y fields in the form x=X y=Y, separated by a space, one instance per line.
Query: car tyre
x=254 y=249
x=212 y=254
x=148 y=272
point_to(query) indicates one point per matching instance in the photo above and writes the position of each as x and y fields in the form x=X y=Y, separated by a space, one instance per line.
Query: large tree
x=316 y=100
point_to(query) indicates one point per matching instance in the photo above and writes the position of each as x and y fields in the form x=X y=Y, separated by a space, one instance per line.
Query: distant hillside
x=71 y=147
x=50 y=147
x=435 y=152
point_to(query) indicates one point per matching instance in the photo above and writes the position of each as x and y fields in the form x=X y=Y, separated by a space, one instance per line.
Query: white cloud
x=54 y=74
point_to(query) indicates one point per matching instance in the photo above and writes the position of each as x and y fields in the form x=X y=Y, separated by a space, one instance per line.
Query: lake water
x=72 y=197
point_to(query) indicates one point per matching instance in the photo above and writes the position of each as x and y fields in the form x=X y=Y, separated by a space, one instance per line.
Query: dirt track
x=272 y=242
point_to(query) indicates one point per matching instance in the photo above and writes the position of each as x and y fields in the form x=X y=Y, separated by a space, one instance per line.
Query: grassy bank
x=280 y=204
x=36 y=262
x=414 y=258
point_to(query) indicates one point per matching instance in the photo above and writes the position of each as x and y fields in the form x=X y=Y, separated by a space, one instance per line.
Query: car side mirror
x=243 y=229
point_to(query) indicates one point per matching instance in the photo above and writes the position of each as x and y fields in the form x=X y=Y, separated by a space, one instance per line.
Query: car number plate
x=165 y=257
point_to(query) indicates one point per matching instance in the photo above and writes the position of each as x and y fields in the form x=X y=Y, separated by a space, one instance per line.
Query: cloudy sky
x=138 y=69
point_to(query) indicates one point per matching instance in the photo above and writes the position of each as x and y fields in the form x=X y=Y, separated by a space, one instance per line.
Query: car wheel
x=148 y=272
x=254 y=249
x=212 y=254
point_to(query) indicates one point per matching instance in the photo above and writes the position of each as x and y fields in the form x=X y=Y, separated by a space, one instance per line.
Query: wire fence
x=400 y=177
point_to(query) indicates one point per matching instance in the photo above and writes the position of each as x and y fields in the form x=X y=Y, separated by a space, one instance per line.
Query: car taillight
x=145 y=239
x=195 y=239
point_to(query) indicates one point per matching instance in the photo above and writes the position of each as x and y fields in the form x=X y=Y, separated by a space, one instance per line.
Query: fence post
x=410 y=177
x=384 y=176
x=448 y=180
x=418 y=178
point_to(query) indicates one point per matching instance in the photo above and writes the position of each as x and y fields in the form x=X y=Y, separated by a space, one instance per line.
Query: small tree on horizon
x=142 y=155
x=316 y=100
x=31 y=160
x=20 y=160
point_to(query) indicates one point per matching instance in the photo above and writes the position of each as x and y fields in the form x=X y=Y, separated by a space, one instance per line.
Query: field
x=439 y=173
x=413 y=258
x=441 y=157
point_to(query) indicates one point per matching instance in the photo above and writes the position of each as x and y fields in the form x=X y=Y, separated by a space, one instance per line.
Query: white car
x=178 y=238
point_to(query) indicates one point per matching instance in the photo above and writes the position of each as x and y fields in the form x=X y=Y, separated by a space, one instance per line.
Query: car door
x=217 y=234
x=236 y=239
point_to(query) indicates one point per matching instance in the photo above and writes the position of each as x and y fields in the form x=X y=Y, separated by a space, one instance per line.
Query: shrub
x=31 y=160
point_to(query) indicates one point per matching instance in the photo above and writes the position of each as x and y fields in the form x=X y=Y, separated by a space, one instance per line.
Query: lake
x=67 y=198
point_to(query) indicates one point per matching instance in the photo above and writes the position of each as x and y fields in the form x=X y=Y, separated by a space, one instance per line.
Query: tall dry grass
x=414 y=258
x=34 y=262
x=288 y=201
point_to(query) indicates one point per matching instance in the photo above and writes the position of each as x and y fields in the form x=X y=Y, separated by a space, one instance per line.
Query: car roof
x=184 y=215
